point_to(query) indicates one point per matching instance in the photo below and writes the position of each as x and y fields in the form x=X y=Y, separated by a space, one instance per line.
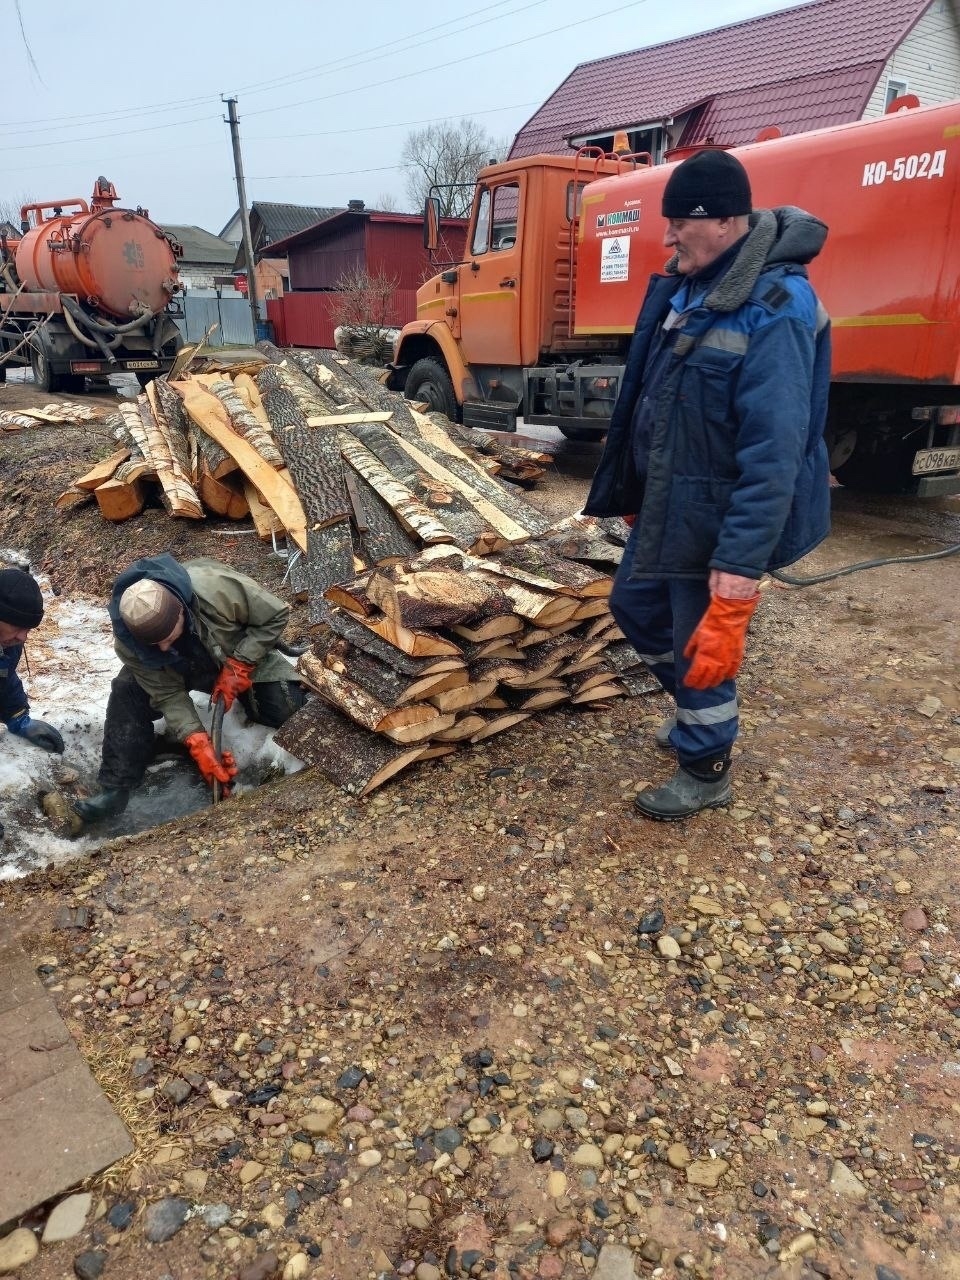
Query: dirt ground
x=490 y=1023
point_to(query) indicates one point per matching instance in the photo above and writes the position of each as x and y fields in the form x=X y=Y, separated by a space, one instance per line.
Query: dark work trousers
x=128 y=737
x=658 y=617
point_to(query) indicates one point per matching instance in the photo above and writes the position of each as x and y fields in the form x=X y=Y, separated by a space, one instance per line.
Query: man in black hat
x=715 y=454
x=21 y=609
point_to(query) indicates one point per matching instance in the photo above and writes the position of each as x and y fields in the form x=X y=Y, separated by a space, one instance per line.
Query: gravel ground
x=489 y=1023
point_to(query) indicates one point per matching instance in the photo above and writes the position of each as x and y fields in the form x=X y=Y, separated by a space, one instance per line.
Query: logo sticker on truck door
x=614 y=259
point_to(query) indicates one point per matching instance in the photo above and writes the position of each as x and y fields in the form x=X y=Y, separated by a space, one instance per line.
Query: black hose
x=111 y=330
x=793 y=581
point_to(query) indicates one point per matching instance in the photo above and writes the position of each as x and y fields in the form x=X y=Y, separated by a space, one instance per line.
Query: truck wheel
x=877 y=464
x=429 y=381
x=43 y=376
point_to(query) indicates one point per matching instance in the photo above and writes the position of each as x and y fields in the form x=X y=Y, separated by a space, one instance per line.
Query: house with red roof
x=824 y=63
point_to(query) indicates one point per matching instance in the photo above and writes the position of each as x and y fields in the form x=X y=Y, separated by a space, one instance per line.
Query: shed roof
x=802 y=68
x=199 y=245
x=344 y=217
x=282 y=220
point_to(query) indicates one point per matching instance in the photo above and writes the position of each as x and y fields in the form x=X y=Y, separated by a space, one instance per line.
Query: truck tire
x=878 y=464
x=44 y=378
x=429 y=381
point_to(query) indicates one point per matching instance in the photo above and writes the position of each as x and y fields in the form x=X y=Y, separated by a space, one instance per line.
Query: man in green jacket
x=197 y=625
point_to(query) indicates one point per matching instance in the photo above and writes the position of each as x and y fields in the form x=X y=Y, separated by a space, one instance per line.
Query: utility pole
x=244 y=212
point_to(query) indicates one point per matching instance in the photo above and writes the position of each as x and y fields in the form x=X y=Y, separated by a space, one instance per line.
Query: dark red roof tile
x=801 y=68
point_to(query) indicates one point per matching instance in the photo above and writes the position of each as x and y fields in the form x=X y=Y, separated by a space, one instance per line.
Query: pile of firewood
x=250 y=441
x=449 y=648
x=58 y=413
x=447 y=607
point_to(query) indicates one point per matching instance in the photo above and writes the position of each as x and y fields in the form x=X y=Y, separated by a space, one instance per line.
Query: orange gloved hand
x=235 y=678
x=630 y=520
x=716 y=648
x=224 y=770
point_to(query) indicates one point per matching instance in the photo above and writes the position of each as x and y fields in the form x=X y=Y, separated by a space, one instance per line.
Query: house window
x=651 y=139
x=895 y=89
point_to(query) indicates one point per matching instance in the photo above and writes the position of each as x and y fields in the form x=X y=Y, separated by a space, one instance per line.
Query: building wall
x=928 y=61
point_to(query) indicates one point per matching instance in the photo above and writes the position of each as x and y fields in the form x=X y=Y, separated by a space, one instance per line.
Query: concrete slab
x=57 y=1125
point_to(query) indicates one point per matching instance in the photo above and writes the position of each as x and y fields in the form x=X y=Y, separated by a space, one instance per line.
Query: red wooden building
x=389 y=244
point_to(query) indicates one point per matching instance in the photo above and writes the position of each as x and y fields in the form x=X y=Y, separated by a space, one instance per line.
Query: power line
x=443 y=66
x=347 y=62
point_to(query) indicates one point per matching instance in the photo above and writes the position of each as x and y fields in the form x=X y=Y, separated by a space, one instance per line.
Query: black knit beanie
x=709 y=184
x=21 y=604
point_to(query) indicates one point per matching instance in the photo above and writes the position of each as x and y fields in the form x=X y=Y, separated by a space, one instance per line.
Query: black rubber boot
x=687 y=792
x=106 y=804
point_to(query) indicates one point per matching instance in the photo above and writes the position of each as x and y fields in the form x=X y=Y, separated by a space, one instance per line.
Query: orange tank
x=114 y=260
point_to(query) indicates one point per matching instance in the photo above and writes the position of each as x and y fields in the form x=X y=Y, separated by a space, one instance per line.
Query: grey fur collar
x=736 y=284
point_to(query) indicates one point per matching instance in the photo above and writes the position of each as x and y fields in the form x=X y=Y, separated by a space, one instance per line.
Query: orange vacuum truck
x=536 y=321
x=86 y=291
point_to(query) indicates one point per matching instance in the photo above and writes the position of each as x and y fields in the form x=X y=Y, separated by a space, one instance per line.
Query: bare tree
x=363 y=311
x=10 y=207
x=387 y=202
x=448 y=155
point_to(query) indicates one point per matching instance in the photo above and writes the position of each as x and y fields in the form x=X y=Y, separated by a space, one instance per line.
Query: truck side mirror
x=431 y=223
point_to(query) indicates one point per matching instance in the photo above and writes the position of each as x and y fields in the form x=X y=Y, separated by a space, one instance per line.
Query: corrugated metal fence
x=202 y=308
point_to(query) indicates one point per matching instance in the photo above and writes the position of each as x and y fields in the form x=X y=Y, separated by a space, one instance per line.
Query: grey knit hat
x=150 y=610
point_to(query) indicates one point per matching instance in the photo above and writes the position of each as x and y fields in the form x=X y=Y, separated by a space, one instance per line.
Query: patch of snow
x=67 y=667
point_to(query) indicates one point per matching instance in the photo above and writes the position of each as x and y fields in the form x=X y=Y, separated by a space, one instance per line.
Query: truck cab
x=494 y=334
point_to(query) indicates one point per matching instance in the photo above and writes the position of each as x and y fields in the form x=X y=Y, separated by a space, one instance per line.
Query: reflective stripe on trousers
x=658 y=617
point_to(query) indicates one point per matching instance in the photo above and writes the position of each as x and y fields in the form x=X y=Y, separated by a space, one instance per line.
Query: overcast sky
x=326 y=92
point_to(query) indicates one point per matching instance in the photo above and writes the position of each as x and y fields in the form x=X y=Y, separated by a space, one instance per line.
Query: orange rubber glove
x=716 y=648
x=235 y=678
x=630 y=520
x=224 y=770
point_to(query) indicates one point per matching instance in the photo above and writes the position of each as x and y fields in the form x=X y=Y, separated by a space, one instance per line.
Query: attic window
x=651 y=138
x=895 y=89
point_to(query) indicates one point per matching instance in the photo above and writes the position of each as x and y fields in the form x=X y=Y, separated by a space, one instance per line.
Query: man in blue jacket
x=716 y=453
x=21 y=609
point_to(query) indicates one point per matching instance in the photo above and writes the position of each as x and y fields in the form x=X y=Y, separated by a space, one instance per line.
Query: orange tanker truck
x=86 y=291
x=536 y=321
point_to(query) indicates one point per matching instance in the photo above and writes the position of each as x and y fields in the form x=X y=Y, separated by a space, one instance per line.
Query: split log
x=266 y=521
x=349 y=756
x=411 y=513
x=222 y=497
x=73 y=497
x=536 y=606
x=449 y=506
x=598 y=693
x=463 y=728
x=173 y=428
x=362 y=638
x=538 y=566
x=383 y=540
x=102 y=471
x=536 y=700
x=622 y=656
x=408 y=723
x=245 y=422
x=601 y=674
x=595 y=607
x=330 y=560
x=119 y=500
x=219 y=462
x=208 y=415
x=284 y=374
x=382 y=680
x=313 y=458
x=419 y=644
x=507 y=624
x=499 y=722
x=639 y=681
x=463 y=698
x=352 y=595
x=490 y=506
x=177 y=492
x=346 y=419
x=431 y=598
x=329 y=378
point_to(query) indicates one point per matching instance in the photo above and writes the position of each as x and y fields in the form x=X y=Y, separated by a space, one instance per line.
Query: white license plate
x=143 y=364
x=927 y=460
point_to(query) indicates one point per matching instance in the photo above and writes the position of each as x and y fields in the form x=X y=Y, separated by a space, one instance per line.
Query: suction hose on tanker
x=792 y=581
